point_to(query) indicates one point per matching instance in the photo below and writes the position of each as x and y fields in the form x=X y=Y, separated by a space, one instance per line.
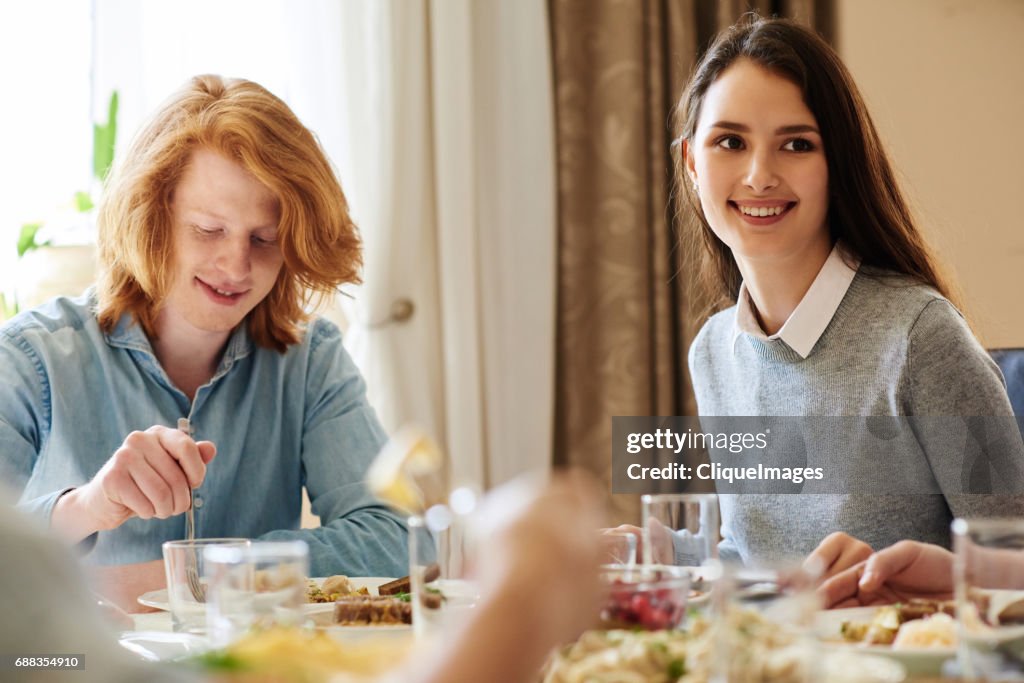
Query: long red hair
x=244 y=122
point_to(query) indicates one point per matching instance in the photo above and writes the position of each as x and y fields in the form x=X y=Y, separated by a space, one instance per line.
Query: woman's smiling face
x=758 y=158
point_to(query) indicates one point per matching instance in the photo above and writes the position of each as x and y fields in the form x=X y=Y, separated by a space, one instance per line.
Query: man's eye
x=799 y=145
x=730 y=142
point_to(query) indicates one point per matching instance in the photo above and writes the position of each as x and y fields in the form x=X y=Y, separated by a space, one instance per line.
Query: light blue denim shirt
x=70 y=394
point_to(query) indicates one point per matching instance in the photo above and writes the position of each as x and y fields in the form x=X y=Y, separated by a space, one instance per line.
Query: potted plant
x=57 y=256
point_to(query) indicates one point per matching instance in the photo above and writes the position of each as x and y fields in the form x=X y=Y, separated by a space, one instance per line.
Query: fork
x=195 y=586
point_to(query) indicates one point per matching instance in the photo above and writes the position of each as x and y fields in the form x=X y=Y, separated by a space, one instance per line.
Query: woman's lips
x=775 y=212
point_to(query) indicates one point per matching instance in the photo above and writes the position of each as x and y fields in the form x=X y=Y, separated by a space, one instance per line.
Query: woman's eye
x=799 y=145
x=730 y=142
x=263 y=242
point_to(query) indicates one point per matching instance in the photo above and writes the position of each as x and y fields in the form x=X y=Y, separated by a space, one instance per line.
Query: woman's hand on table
x=837 y=553
x=898 y=573
x=150 y=475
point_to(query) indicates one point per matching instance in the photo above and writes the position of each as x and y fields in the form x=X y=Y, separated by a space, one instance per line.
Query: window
x=73 y=54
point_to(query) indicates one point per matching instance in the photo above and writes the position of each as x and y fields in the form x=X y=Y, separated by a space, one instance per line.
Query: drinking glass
x=763 y=619
x=618 y=547
x=441 y=561
x=255 y=587
x=681 y=529
x=988 y=586
x=188 y=612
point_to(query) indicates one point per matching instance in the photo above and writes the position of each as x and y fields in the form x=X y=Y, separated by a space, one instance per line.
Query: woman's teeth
x=761 y=211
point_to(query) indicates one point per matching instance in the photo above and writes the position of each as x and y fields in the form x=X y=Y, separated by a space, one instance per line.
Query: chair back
x=1011 y=362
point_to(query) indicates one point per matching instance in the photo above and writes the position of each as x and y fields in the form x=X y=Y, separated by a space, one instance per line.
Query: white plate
x=160 y=646
x=844 y=666
x=917 y=661
x=158 y=599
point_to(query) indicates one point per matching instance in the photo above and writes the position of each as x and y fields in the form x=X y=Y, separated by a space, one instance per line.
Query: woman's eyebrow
x=782 y=130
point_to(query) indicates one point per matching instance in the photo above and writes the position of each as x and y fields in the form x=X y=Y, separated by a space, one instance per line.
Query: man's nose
x=235 y=259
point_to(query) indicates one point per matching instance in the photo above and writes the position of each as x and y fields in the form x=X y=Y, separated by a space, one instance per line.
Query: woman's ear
x=688 y=162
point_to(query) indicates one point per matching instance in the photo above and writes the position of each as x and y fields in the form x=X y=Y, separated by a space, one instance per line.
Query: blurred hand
x=898 y=573
x=540 y=586
x=150 y=475
x=837 y=553
x=544 y=549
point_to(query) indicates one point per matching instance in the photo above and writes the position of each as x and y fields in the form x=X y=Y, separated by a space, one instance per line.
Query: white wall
x=943 y=79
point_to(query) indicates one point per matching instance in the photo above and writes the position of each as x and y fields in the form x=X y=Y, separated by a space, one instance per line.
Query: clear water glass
x=255 y=587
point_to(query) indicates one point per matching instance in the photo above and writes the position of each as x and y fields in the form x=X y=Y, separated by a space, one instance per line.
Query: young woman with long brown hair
x=830 y=303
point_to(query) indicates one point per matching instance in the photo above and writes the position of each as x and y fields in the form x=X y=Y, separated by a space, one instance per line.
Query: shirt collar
x=808 y=321
x=128 y=334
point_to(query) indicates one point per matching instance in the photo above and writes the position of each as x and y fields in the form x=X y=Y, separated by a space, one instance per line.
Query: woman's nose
x=761 y=175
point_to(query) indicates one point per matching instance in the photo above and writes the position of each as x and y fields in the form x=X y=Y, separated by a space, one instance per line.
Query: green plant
x=7 y=310
x=104 y=136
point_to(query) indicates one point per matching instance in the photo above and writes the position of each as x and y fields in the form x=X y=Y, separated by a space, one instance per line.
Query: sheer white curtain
x=439 y=117
x=451 y=176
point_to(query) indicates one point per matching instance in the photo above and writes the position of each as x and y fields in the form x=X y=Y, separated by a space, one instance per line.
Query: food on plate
x=881 y=630
x=936 y=630
x=914 y=624
x=763 y=651
x=404 y=585
x=293 y=655
x=370 y=610
x=395 y=587
x=279 y=578
x=332 y=588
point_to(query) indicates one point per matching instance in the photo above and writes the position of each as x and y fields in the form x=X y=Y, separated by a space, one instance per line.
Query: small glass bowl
x=650 y=597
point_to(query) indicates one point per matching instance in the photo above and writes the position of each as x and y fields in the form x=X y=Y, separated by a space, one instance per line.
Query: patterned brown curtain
x=625 y=318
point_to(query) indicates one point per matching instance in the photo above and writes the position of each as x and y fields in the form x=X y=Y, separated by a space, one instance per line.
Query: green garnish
x=404 y=597
x=218 y=660
x=676 y=669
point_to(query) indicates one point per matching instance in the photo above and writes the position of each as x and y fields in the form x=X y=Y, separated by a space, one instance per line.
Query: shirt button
x=199 y=502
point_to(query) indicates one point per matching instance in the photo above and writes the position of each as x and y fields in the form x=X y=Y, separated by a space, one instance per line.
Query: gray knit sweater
x=892 y=348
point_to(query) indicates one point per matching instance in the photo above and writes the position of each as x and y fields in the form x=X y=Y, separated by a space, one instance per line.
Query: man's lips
x=222 y=292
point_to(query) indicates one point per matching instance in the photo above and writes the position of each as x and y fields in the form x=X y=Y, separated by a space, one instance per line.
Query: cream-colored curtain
x=451 y=178
x=625 y=316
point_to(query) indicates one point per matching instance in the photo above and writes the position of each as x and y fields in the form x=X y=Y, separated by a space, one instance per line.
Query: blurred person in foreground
x=539 y=588
x=218 y=229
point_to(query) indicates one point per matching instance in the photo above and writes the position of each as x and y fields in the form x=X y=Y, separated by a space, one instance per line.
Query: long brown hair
x=866 y=209
x=244 y=122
